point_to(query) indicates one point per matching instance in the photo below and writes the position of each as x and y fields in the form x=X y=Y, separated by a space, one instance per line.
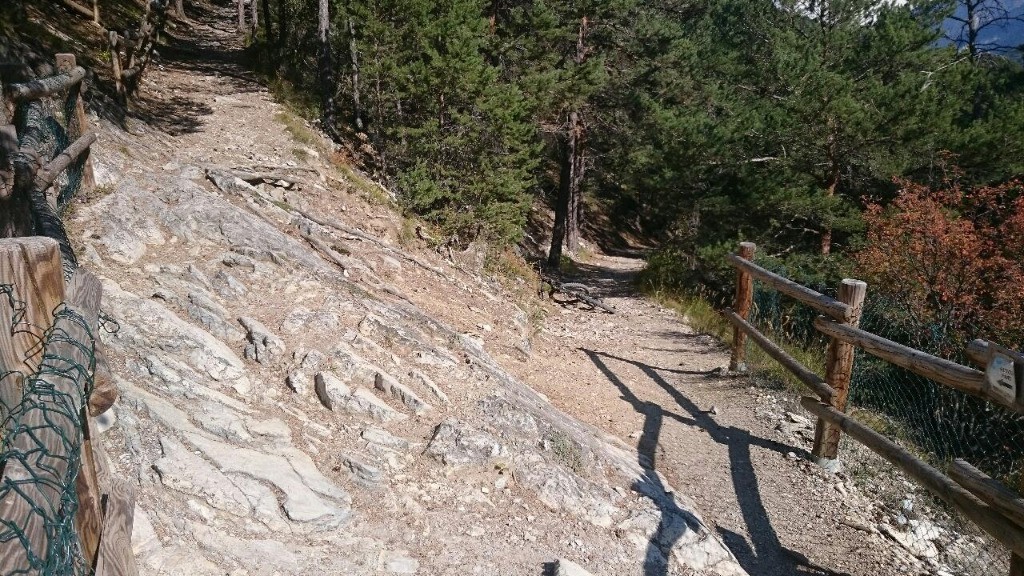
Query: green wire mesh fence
x=41 y=447
x=41 y=407
x=936 y=423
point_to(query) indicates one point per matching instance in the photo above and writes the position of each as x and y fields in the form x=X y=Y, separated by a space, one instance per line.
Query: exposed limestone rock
x=273 y=429
x=263 y=345
x=298 y=381
x=224 y=422
x=429 y=384
x=183 y=471
x=363 y=473
x=389 y=385
x=301 y=502
x=398 y=562
x=383 y=438
x=212 y=316
x=330 y=390
x=569 y=568
x=362 y=400
x=456 y=443
x=147 y=323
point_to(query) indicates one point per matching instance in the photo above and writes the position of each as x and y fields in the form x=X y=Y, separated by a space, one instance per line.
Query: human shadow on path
x=764 y=555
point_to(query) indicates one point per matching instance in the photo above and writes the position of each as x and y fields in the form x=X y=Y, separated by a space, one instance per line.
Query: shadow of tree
x=764 y=554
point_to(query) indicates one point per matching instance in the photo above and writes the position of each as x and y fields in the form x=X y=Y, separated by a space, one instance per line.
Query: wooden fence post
x=838 y=369
x=115 y=65
x=31 y=267
x=744 y=298
x=78 y=122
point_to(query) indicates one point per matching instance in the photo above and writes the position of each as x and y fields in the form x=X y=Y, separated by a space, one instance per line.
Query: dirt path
x=641 y=375
x=644 y=376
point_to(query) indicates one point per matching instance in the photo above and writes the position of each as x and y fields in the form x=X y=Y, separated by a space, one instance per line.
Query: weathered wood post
x=78 y=122
x=41 y=431
x=744 y=299
x=115 y=65
x=31 y=275
x=838 y=369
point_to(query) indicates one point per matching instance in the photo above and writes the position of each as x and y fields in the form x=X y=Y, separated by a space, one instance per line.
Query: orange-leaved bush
x=948 y=263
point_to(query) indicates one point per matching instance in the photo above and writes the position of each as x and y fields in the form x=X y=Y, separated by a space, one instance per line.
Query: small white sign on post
x=1001 y=375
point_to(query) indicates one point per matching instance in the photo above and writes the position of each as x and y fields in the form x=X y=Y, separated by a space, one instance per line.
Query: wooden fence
x=993 y=507
x=132 y=51
x=53 y=378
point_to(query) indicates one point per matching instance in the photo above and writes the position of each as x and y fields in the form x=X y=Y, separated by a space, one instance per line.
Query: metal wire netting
x=936 y=423
x=41 y=447
x=41 y=411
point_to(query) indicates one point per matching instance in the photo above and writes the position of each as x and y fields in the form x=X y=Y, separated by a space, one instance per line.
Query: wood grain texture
x=838 y=369
x=115 y=555
x=813 y=381
x=988 y=490
x=89 y=516
x=46 y=428
x=45 y=177
x=31 y=266
x=743 y=301
x=988 y=519
x=48 y=86
x=77 y=121
x=816 y=300
x=945 y=372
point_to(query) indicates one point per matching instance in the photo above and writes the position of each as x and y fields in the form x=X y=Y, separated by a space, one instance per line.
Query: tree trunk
x=326 y=68
x=266 y=20
x=831 y=182
x=357 y=109
x=561 y=208
x=179 y=9
x=282 y=24
x=570 y=185
x=574 y=212
x=241 y=15
x=569 y=207
x=254 y=17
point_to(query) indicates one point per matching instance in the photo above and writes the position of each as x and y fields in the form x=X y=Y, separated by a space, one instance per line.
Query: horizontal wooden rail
x=816 y=300
x=802 y=373
x=945 y=372
x=988 y=490
x=977 y=352
x=45 y=177
x=45 y=86
x=988 y=519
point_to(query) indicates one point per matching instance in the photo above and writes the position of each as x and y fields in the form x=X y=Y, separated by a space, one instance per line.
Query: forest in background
x=833 y=134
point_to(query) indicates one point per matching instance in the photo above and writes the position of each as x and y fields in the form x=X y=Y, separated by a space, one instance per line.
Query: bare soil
x=641 y=375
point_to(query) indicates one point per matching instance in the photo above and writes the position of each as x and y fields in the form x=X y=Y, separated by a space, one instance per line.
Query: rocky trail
x=306 y=389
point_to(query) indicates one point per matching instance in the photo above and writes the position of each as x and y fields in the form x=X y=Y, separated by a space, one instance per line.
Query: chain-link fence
x=936 y=423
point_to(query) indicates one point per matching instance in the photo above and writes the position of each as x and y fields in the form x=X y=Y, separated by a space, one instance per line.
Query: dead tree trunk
x=326 y=68
x=179 y=9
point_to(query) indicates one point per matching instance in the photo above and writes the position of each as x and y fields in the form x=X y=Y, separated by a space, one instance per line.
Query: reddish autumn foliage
x=949 y=264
